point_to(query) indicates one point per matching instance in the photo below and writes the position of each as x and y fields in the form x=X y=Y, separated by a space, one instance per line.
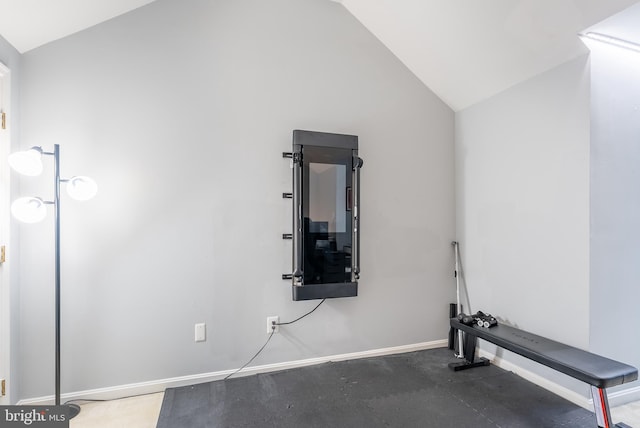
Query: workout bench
x=599 y=372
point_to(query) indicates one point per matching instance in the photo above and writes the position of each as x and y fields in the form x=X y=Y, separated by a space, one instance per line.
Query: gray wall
x=615 y=203
x=11 y=58
x=180 y=111
x=522 y=171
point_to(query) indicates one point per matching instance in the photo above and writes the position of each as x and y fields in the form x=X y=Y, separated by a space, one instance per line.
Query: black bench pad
x=593 y=369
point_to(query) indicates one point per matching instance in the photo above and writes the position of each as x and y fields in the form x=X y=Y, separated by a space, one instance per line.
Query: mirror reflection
x=327 y=236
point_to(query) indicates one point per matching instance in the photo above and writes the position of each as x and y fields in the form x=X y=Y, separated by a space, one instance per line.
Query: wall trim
x=616 y=398
x=564 y=392
x=141 y=388
x=121 y=391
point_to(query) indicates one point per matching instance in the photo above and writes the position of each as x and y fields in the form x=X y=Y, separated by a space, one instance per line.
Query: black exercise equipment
x=597 y=371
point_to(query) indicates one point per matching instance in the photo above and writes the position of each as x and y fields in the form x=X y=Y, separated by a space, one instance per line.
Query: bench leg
x=470 y=360
x=470 y=343
x=601 y=406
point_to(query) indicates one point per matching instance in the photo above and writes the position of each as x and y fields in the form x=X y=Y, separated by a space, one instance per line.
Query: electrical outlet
x=270 y=325
x=201 y=332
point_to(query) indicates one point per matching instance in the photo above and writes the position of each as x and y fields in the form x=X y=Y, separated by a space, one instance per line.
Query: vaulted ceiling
x=469 y=50
x=463 y=50
x=27 y=24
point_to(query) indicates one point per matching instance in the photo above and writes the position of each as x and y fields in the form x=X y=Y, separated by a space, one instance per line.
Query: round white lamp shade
x=27 y=162
x=29 y=209
x=81 y=188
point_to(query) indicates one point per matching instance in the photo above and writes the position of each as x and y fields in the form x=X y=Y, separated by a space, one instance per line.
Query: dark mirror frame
x=326 y=256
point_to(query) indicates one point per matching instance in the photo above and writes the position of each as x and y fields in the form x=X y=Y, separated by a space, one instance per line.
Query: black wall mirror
x=326 y=235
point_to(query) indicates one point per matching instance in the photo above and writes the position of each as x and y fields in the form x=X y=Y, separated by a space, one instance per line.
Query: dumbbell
x=466 y=319
x=484 y=320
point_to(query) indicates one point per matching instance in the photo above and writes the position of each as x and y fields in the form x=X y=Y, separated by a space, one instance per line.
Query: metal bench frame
x=599 y=372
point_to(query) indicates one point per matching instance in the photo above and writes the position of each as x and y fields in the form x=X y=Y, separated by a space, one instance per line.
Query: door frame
x=5 y=230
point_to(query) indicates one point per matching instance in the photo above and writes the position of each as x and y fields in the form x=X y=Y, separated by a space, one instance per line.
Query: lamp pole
x=56 y=204
x=31 y=210
x=73 y=408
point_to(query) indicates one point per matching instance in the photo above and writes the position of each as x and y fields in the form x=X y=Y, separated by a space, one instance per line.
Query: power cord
x=273 y=330
x=298 y=319
x=98 y=400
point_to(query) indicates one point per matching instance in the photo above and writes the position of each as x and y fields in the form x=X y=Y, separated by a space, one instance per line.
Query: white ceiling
x=624 y=25
x=469 y=50
x=463 y=50
x=27 y=24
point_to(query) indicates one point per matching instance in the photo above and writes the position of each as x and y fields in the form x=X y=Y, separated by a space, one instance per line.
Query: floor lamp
x=33 y=209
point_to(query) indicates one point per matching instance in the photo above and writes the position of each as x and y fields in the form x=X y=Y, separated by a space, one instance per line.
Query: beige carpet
x=134 y=412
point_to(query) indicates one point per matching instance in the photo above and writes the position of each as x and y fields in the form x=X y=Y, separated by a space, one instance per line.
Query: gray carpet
x=407 y=390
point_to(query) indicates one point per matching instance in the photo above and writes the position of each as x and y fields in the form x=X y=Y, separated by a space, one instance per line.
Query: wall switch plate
x=270 y=321
x=201 y=332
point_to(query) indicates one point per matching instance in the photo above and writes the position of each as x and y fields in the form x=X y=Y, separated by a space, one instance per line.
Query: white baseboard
x=628 y=395
x=120 y=391
x=615 y=398
x=542 y=382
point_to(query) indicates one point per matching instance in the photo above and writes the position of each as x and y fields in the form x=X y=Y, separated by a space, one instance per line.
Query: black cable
x=273 y=330
x=98 y=400
x=87 y=400
x=298 y=319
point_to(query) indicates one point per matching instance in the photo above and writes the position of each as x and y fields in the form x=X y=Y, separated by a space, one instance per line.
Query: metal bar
x=297 y=219
x=355 y=212
x=56 y=200
x=457 y=274
x=601 y=406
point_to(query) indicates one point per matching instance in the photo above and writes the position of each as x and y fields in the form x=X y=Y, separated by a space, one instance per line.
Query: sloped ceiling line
x=463 y=50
